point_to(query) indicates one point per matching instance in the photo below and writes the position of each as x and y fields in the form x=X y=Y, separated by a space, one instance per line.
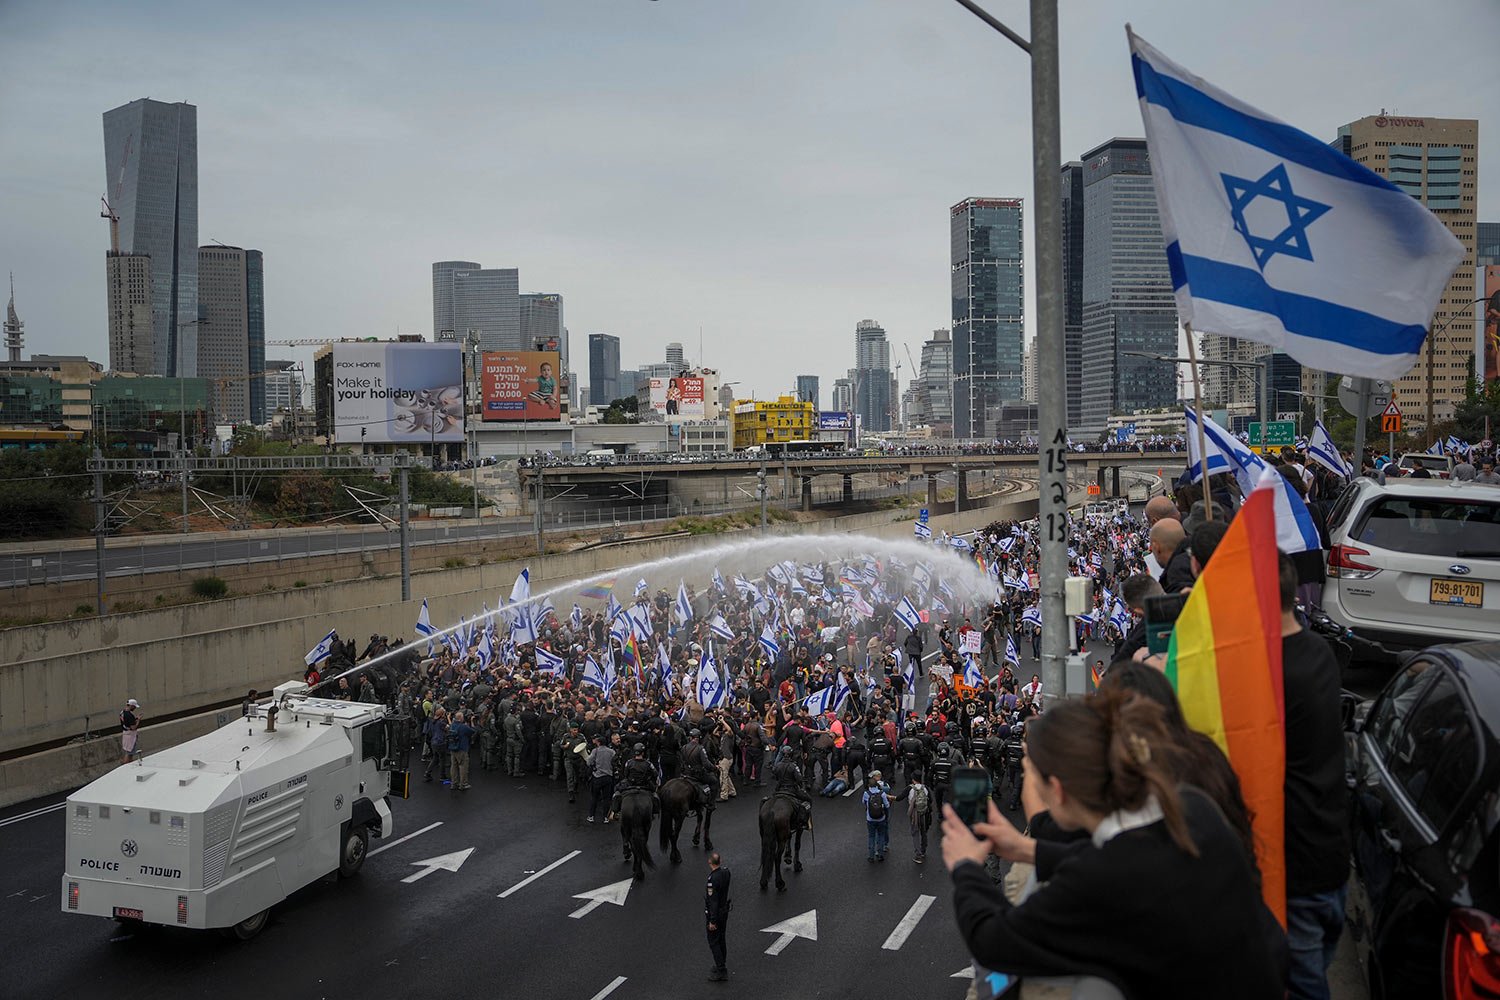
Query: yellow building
x=764 y=421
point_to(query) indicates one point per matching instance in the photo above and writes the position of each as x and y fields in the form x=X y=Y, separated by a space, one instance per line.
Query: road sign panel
x=1390 y=423
x=1279 y=433
x=1391 y=409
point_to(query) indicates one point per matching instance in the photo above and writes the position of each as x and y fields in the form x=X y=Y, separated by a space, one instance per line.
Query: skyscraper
x=1072 y=262
x=488 y=300
x=1128 y=306
x=872 y=375
x=675 y=355
x=604 y=369
x=1486 y=246
x=843 y=395
x=807 y=389
x=151 y=176
x=132 y=343
x=15 y=336
x=542 y=323
x=232 y=331
x=936 y=378
x=1436 y=161
x=988 y=312
x=443 y=327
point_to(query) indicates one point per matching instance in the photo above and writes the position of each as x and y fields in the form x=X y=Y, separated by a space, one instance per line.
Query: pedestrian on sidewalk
x=716 y=915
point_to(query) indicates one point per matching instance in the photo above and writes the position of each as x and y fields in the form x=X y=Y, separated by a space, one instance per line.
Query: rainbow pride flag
x=1225 y=662
x=597 y=591
x=630 y=654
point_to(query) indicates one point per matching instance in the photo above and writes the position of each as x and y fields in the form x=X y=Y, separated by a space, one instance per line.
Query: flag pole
x=1208 y=499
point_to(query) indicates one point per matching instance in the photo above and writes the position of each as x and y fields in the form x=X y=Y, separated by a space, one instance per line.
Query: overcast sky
x=770 y=171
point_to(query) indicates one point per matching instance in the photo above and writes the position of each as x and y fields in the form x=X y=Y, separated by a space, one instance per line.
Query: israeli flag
x=973 y=675
x=424 y=621
x=908 y=672
x=841 y=690
x=324 y=649
x=907 y=614
x=1295 y=531
x=938 y=606
x=544 y=609
x=619 y=629
x=576 y=618
x=719 y=627
x=484 y=650
x=641 y=586
x=1226 y=453
x=1032 y=616
x=1006 y=544
x=598 y=676
x=745 y=587
x=1011 y=656
x=549 y=663
x=520 y=591
x=1436 y=448
x=1321 y=449
x=719 y=582
x=947 y=590
x=684 y=606
x=776 y=573
x=923 y=532
x=797 y=587
x=710 y=685
x=961 y=544
x=819 y=701
x=1120 y=618
x=523 y=630
x=769 y=644
x=640 y=622
x=813 y=575
x=612 y=609
x=664 y=667
x=1274 y=236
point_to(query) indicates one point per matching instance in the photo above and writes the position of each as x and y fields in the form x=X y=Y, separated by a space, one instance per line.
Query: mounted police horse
x=780 y=834
x=680 y=796
x=635 y=829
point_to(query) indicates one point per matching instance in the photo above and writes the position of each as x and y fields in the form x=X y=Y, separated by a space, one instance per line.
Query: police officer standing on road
x=716 y=914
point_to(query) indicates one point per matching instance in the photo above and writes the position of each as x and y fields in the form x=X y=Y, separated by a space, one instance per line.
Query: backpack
x=919 y=799
x=877 y=805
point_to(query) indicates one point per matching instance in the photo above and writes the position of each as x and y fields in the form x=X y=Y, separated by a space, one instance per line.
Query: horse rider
x=669 y=750
x=697 y=767
x=639 y=775
x=788 y=778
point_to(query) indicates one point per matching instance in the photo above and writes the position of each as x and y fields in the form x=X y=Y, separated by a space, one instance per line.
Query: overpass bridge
x=683 y=479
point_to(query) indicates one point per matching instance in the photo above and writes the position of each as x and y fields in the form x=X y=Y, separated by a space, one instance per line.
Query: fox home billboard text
x=398 y=393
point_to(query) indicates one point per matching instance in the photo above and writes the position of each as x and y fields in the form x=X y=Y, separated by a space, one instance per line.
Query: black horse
x=680 y=796
x=780 y=834
x=635 y=830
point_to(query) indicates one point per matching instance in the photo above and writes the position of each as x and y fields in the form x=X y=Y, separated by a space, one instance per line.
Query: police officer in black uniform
x=638 y=774
x=882 y=754
x=669 y=751
x=788 y=778
x=857 y=755
x=946 y=760
x=911 y=749
x=716 y=915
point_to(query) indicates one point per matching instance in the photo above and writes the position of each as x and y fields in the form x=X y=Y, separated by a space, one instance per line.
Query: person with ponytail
x=1162 y=901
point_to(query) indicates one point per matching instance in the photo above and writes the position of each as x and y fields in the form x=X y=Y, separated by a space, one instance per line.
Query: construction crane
x=105 y=212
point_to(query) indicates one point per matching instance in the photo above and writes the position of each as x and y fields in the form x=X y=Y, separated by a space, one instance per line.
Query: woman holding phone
x=1160 y=901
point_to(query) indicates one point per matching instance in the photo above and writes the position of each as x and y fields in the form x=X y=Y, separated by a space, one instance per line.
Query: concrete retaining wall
x=176 y=660
x=74 y=765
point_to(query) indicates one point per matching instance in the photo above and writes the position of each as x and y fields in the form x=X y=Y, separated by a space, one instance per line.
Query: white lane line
x=33 y=814
x=908 y=923
x=608 y=989
x=536 y=875
x=851 y=790
x=402 y=840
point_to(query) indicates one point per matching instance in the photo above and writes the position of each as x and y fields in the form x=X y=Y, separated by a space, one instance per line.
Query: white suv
x=1415 y=562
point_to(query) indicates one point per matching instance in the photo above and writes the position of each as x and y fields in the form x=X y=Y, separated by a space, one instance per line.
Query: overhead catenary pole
x=98 y=534
x=401 y=461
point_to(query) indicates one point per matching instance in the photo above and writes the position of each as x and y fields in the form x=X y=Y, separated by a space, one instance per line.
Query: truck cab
x=215 y=831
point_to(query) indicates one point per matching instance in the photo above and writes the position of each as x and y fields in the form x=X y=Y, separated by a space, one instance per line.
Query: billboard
x=833 y=420
x=521 y=385
x=679 y=398
x=398 y=393
x=1489 y=344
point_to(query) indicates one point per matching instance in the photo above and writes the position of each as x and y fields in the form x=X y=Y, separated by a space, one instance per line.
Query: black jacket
x=1317 y=838
x=1178 y=572
x=1118 y=911
x=716 y=896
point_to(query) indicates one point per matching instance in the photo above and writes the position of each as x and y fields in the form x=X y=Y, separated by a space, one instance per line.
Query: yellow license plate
x=1457 y=593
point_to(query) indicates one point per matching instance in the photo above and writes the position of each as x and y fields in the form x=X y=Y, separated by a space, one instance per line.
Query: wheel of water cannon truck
x=250 y=926
x=356 y=843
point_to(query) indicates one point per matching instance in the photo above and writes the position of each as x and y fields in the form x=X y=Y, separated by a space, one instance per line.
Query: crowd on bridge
x=886 y=668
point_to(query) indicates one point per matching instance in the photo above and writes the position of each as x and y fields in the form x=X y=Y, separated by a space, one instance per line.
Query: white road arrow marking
x=967 y=972
x=803 y=925
x=608 y=989
x=447 y=862
x=536 y=875
x=908 y=923
x=614 y=893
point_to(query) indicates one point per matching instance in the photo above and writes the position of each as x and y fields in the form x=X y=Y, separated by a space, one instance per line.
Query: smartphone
x=971 y=794
x=1161 y=617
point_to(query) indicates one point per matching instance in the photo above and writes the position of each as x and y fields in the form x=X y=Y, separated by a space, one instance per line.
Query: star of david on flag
x=1300 y=213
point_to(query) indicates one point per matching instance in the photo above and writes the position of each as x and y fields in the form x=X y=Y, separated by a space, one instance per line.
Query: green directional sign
x=1280 y=434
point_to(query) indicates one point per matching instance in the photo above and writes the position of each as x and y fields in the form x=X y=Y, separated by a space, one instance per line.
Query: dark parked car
x=1424 y=772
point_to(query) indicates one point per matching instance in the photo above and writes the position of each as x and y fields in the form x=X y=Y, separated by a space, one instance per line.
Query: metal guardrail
x=258 y=463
